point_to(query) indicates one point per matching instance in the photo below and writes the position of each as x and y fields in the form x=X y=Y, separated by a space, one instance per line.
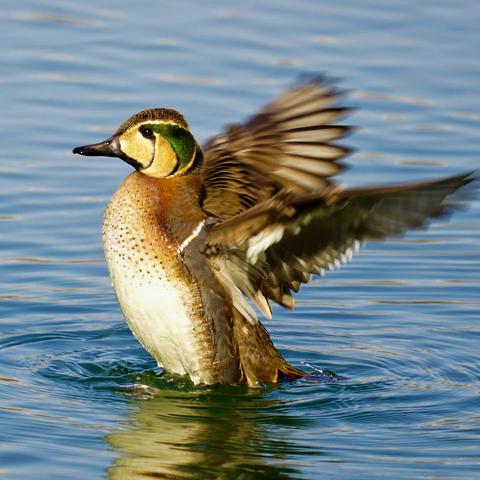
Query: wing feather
x=277 y=216
x=285 y=239
x=286 y=145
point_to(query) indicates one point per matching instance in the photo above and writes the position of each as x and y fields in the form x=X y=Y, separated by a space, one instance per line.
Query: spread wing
x=288 y=144
x=270 y=250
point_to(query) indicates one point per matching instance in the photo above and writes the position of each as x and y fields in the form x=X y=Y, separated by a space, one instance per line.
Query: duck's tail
x=260 y=361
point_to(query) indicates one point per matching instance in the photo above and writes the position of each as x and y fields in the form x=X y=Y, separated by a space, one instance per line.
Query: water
x=401 y=322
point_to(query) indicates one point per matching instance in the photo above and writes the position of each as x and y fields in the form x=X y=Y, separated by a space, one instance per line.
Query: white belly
x=156 y=311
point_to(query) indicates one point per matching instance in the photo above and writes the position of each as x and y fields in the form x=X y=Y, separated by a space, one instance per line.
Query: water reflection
x=224 y=432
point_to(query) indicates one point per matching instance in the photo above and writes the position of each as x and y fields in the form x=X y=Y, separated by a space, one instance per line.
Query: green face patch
x=181 y=140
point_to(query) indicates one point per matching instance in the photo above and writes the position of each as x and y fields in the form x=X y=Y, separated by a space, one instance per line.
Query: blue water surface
x=80 y=398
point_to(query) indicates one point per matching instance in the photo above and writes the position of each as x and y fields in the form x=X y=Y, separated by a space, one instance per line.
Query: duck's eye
x=146 y=132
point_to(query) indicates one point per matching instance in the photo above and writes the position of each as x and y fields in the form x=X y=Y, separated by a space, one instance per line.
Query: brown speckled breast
x=144 y=226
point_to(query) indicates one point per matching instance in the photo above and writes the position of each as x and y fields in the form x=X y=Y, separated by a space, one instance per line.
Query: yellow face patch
x=164 y=161
x=141 y=149
x=159 y=149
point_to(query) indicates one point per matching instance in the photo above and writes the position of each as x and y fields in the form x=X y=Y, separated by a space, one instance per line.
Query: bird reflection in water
x=216 y=432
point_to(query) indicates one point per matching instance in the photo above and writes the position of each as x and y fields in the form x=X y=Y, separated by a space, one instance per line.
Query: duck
x=199 y=242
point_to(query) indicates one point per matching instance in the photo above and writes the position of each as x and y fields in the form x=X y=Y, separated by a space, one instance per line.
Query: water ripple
x=80 y=398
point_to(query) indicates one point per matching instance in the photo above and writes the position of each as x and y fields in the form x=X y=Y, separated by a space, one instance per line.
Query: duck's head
x=157 y=142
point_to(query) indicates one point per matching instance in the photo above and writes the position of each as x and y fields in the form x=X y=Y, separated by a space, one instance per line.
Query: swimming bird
x=196 y=238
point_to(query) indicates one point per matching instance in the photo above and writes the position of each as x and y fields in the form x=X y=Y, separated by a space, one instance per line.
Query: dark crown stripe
x=164 y=114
